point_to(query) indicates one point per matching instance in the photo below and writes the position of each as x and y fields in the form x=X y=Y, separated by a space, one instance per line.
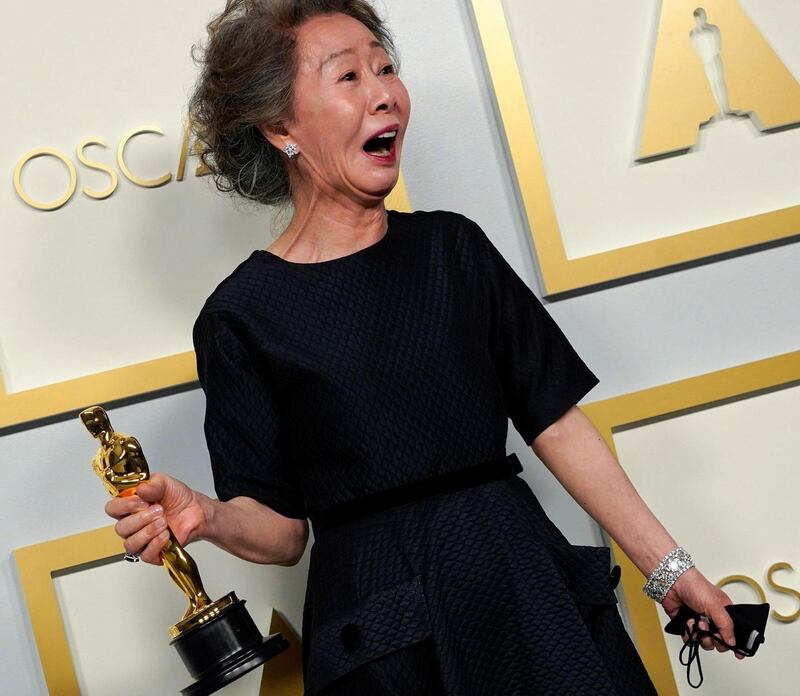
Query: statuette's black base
x=225 y=648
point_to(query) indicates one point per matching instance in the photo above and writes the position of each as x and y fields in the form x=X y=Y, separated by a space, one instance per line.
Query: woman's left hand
x=694 y=590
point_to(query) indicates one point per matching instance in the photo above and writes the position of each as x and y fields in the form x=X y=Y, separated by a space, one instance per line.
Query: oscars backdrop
x=634 y=161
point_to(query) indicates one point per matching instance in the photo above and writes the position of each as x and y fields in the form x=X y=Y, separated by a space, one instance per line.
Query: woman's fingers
x=706 y=642
x=120 y=507
x=147 y=493
x=141 y=521
x=130 y=524
x=153 y=490
x=688 y=632
x=723 y=621
x=723 y=630
x=152 y=552
x=136 y=542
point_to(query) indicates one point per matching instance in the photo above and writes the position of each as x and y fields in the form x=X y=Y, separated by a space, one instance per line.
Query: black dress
x=329 y=381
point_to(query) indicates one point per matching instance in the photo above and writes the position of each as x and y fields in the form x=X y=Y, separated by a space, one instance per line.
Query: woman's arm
x=242 y=526
x=254 y=531
x=575 y=452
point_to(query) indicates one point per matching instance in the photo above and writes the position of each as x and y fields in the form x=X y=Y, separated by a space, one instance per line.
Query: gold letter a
x=711 y=61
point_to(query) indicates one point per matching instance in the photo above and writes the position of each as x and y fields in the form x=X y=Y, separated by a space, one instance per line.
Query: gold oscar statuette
x=218 y=641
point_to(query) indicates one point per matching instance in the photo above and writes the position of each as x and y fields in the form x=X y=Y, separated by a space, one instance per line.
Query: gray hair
x=248 y=68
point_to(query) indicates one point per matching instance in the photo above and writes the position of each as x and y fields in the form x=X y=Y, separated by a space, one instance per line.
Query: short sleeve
x=541 y=374
x=242 y=426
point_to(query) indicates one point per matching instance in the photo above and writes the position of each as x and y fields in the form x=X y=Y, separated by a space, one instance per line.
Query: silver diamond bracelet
x=672 y=566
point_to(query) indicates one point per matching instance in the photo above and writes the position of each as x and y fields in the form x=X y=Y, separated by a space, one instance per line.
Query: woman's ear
x=276 y=134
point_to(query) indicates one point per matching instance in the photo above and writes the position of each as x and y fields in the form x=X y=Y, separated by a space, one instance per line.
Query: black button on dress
x=328 y=381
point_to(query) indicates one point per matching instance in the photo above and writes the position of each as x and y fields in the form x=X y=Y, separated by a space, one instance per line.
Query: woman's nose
x=382 y=97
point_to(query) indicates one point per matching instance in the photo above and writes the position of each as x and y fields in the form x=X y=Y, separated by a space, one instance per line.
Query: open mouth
x=381 y=145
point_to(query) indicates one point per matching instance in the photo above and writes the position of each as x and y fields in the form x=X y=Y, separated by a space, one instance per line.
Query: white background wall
x=633 y=336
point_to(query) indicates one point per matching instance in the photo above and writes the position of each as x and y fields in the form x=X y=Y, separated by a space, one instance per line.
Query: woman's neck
x=323 y=228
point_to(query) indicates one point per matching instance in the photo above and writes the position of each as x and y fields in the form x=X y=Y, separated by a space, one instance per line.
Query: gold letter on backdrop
x=745 y=580
x=201 y=169
x=42 y=152
x=783 y=590
x=112 y=186
x=123 y=167
x=710 y=59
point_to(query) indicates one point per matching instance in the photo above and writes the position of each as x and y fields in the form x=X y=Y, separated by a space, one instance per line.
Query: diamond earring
x=291 y=150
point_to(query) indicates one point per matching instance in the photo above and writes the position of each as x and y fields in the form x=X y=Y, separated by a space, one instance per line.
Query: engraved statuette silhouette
x=217 y=641
x=707 y=43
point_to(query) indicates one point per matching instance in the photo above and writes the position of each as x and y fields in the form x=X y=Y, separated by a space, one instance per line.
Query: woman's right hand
x=162 y=503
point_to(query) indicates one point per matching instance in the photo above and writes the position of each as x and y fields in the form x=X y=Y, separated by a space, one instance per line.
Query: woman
x=360 y=373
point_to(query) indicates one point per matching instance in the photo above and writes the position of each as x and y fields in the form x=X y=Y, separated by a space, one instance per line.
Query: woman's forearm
x=252 y=531
x=575 y=452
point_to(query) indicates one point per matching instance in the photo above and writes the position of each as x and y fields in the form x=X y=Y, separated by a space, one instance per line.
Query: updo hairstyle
x=248 y=67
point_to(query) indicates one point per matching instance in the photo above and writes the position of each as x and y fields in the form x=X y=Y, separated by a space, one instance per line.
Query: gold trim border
x=101 y=387
x=666 y=401
x=39 y=563
x=559 y=273
x=36 y=566
x=120 y=383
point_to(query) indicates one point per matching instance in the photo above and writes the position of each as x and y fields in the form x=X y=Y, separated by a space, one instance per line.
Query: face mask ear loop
x=693 y=646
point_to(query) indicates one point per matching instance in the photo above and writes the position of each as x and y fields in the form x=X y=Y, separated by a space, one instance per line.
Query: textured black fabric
x=329 y=381
x=473 y=475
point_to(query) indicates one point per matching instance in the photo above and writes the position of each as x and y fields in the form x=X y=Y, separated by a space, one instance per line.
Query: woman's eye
x=349 y=76
x=387 y=69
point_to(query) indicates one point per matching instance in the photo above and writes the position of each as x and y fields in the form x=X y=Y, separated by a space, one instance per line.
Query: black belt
x=485 y=472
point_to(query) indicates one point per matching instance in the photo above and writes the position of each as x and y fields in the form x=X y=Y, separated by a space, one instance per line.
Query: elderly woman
x=360 y=372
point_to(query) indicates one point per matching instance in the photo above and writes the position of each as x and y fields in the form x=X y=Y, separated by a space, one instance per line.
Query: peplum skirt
x=473 y=592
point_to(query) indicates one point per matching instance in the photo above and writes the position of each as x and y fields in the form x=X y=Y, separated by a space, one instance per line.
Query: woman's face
x=347 y=94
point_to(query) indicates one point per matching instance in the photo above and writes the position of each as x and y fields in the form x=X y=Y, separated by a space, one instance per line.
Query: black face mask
x=749 y=624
